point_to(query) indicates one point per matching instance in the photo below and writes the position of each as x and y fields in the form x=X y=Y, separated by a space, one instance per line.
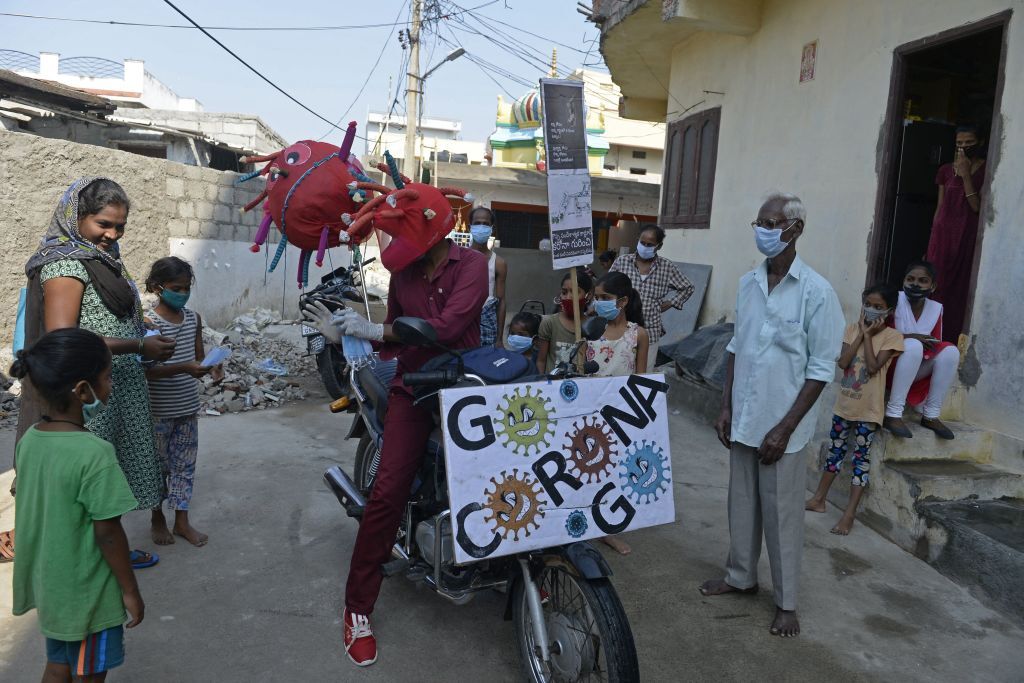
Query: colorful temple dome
x=526 y=111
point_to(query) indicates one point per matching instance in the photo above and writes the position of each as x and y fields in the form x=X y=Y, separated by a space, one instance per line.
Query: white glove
x=320 y=317
x=352 y=324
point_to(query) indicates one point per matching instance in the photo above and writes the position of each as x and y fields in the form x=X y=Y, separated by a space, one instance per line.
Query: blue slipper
x=139 y=559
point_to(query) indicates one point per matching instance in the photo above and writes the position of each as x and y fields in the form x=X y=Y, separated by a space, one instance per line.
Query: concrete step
x=971 y=444
x=941 y=480
x=982 y=547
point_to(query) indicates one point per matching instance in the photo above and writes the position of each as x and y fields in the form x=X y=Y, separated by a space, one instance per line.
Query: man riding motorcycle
x=446 y=285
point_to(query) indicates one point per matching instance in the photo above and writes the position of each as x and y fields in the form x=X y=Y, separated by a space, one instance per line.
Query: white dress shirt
x=781 y=339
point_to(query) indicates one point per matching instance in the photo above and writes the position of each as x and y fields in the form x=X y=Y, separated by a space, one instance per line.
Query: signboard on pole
x=542 y=464
x=569 y=198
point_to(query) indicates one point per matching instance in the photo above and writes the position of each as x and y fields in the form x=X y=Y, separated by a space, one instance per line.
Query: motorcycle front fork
x=533 y=601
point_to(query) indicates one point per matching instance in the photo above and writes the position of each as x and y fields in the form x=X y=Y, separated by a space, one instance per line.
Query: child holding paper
x=174 y=395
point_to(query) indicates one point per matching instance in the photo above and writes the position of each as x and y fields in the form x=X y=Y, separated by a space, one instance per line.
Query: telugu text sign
x=547 y=463
x=569 y=193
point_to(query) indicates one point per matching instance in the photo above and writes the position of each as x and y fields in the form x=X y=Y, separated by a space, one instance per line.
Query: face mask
x=915 y=293
x=609 y=310
x=645 y=252
x=769 y=241
x=90 y=411
x=480 y=232
x=518 y=343
x=175 y=300
x=566 y=305
x=873 y=314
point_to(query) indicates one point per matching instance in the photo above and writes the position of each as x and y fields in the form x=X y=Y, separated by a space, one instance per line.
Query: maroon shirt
x=450 y=301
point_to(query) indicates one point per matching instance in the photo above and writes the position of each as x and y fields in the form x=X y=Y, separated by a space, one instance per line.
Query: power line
x=253 y=69
x=369 y=75
x=115 y=22
x=471 y=11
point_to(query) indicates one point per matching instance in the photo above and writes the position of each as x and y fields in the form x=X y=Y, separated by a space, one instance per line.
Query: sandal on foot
x=897 y=427
x=141 y=559
x=7 y=546
x=935 y=424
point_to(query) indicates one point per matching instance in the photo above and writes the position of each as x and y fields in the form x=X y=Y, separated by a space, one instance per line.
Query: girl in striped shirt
x=174 y=395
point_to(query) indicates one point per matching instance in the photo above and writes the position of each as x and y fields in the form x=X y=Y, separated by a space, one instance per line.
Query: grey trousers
x=768 y=498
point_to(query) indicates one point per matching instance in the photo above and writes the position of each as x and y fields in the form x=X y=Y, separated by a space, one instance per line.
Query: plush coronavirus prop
x=308 y=189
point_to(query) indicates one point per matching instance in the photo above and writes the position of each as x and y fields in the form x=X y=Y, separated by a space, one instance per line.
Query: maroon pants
x=406 y=429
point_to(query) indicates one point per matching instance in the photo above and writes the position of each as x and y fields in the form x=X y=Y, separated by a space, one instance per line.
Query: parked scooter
x=568 y=620
x=335 y=288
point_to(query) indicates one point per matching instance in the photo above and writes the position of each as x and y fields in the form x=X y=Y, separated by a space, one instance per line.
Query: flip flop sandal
x=139 y=559
x=6 y=546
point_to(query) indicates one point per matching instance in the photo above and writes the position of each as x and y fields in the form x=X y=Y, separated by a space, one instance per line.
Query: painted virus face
x=591 y=449
x=645 y=472
x=515 y=504
x=526 y=421
x=576 y=524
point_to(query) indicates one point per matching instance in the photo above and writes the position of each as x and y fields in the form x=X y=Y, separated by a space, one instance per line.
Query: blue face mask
x=480 y=232
x=645 y=252
x=769 y=240
x=518 y=343
x=175 y=300
x=607 y=309
x=90 y=411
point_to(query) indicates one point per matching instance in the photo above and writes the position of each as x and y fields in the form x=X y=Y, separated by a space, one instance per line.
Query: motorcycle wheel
x=587 y=627
x=367 y=459
x=332 y=367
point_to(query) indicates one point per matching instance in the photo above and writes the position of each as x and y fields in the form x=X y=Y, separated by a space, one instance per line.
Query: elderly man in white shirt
x=789 y=332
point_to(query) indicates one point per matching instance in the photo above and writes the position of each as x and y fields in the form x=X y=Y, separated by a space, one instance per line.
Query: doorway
x=938 y=83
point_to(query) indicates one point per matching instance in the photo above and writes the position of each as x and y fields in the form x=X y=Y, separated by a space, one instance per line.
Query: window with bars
x=691 y=150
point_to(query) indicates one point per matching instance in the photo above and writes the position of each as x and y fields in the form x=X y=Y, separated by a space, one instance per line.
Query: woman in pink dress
x=955 y=228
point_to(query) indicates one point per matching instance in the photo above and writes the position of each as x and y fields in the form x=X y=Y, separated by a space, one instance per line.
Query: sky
x=324 y=69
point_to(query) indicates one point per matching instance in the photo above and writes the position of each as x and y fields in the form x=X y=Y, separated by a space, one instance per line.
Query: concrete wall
x=185 y=210
x=243 y=131
x=821 y=140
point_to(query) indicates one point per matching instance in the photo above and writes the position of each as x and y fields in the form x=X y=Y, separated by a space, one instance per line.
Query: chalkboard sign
x=565 y=124
x=569 y=194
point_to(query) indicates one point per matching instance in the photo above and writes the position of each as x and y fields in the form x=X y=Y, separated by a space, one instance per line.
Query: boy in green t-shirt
x=72 y=559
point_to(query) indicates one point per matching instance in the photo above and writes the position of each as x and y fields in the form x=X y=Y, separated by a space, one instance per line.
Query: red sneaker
x=360 y=645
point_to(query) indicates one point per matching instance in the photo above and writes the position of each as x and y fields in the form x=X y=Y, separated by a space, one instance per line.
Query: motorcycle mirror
x=593 y=328
x=414 y=331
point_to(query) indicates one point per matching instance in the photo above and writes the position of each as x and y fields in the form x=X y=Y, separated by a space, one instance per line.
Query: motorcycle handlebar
x=445 y=377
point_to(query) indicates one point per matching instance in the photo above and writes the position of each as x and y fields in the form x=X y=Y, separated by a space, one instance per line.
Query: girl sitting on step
x=869 y=346
x=925 y=372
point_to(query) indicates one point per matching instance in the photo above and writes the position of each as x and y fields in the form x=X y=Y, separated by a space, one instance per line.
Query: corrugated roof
x=33 y=90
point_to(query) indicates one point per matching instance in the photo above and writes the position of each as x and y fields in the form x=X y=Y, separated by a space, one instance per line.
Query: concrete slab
x=262 y=601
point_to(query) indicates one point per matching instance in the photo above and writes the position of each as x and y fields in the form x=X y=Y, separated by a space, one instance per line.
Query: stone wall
x=175 y=208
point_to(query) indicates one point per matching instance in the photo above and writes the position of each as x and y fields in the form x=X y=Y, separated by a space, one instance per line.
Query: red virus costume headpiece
x=416 y=216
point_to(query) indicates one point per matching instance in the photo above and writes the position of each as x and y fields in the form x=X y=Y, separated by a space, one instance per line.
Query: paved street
x=262 y=601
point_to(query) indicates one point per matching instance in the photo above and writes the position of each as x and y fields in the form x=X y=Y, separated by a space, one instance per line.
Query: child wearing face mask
x=174 y=395
x=623 y=346
x=869 y=346
x=73 y=565
x=924 y=374
x=557 y=334
x=492 y=315
x=522 y=334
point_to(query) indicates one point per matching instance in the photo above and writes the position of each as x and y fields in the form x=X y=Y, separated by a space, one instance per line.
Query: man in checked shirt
x=660 y=284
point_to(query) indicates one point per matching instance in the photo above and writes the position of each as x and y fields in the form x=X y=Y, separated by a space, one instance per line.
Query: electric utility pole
x=413 y=90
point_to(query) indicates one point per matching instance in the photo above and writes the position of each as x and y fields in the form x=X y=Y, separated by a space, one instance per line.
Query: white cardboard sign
x=569 y=194
x=547 y=463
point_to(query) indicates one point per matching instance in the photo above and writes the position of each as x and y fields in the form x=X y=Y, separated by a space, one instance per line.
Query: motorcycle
x=568 y=620
x=335 y=288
